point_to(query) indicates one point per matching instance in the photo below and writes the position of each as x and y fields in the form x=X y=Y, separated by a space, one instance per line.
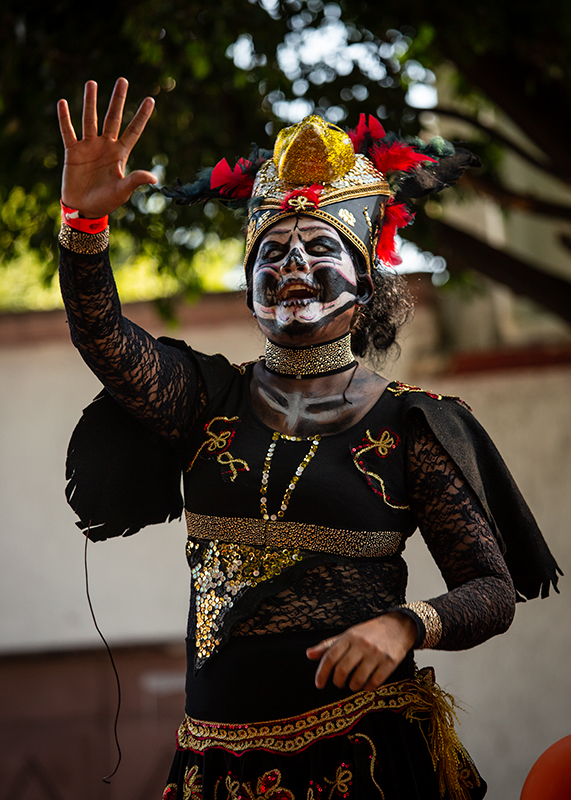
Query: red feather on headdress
x=396 y=216
x=396 y=157
x=366 y=133
x=237 y=182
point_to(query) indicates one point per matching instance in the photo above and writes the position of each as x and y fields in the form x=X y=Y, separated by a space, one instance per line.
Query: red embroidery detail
x=302 y=199
x=382 y=446
x=403 y=388
x=385 y=444
x=217 y=443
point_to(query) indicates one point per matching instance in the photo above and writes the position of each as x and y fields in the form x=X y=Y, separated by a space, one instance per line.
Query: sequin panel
x=221 y=573
x=83 y=243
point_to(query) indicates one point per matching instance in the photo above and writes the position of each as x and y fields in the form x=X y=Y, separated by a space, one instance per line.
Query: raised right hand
x=94 y=179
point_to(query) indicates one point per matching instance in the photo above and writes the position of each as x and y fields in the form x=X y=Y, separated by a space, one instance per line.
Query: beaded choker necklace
x=311 y=361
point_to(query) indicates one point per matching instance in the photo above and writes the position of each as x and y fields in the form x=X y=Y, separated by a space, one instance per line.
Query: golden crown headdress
x=355 y=181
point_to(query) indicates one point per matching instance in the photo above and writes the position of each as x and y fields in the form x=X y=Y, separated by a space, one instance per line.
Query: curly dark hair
x=376 y=324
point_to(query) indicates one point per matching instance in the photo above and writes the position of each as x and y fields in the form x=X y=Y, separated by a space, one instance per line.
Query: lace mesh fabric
x=153 y=381
x=156 y=383
x=330 y=596
x=480 y=601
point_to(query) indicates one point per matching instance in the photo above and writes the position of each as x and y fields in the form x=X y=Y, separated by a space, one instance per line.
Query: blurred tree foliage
x=227 y=74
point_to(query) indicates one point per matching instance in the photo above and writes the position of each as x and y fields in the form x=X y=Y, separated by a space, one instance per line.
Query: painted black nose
x=295 y=261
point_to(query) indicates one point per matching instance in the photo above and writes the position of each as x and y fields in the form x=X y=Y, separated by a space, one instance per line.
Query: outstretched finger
x=114 y=116
x=137 y=125
x=65 y=125
x=90 y=110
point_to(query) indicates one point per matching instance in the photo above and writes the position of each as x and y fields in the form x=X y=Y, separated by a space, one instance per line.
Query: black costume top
x=334 y=559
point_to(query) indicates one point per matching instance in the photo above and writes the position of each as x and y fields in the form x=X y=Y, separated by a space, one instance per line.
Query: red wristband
x=71 y=217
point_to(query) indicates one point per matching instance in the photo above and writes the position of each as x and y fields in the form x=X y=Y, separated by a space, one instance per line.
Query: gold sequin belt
x=297 y=535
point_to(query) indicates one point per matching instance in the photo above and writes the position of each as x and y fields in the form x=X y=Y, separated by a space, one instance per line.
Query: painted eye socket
x=272 y=252
x=322 y=245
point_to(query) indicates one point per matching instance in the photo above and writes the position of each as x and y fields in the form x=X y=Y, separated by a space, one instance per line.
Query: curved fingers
x=377 y=678
x=65 y=125
x=373 y=670
x=114 y=116
x=329 y=661
x=90 y=110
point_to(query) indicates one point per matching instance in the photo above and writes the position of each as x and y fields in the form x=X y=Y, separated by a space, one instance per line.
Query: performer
x=304 y=473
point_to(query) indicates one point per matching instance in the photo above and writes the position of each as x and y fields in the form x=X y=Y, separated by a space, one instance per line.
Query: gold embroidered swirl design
x=373 y=758
x=228 y=460
x=382 y=446
x=220 y=441
x=294 y=734
x=341 y=783
x=301 y=203
x=347 y=217
x=192 y=786
x=419 y=698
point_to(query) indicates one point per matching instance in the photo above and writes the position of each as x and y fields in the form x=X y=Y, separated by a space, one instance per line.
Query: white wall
x=515 y=687
x=139 y=585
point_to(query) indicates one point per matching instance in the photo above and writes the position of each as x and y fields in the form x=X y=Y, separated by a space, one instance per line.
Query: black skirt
x=256 y=727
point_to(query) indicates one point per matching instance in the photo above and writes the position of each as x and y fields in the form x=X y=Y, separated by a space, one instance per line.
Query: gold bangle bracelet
x=431 y=621
x=83 y=243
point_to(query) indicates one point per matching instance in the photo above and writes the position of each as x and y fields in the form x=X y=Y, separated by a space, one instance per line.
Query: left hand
x=365 y=654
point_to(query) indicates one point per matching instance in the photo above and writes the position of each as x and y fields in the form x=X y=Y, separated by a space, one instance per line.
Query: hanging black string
x=107 y=779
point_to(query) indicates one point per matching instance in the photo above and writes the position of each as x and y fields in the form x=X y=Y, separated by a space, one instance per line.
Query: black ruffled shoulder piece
x=122 y=476
x=529 y=560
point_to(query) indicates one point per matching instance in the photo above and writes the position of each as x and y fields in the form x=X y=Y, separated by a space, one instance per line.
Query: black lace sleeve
x=480 y=602
x=155 y=382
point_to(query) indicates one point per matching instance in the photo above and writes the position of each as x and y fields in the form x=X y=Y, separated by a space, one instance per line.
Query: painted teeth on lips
x=297 y=291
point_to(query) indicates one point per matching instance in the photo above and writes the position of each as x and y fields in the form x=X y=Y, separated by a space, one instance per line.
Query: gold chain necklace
x=276 y=436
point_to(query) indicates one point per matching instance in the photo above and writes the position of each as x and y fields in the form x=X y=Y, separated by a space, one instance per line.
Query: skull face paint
x=304 y=283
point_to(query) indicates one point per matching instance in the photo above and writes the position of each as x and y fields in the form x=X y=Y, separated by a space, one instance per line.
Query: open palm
x=94 y=180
